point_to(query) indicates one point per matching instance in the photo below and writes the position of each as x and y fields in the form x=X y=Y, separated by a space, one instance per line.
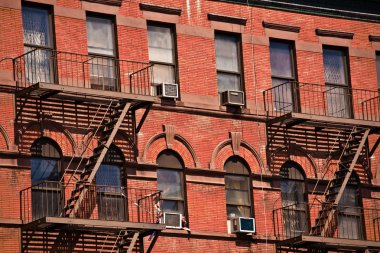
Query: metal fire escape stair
x=325 y=221
x=108 y=132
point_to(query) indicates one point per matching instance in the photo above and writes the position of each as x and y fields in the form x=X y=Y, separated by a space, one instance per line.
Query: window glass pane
x=226 y=49
x=378 y=69
x=163 y=73
x=236 y=165
x=170 y=183
x=172 y=206
x=283 y=95
x=238 y=211
x=236 y=183
x=160 y=44
x=281 y=59
x=228 y=82
x=334 y=66
x=36 y=26
x=292 y=192
x=100 y=36
x=109 y=174
x=338 y=102
x=102 y=73
x=169 y=159
x=235 y=197
x=44 y=169
x=111 y=207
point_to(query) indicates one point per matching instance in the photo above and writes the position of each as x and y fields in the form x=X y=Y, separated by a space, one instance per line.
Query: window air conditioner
x=167 y=90
x=173 y=220
x=243 y=225
x=234 y=98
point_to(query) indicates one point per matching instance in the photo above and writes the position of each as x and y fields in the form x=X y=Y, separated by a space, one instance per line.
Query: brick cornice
x=333 y=33
x=160 y=9
x=227 y=19
x=108 y=2
x=281 y=27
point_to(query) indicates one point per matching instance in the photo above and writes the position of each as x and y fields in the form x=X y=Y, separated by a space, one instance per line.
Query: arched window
x=237 y=186
x=170 y=182
x=45 y=164
x=112 y=201
x=294 y=199
x=350 y=223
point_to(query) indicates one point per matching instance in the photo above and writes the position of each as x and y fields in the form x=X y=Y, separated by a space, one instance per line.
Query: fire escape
x=334 y=126
x=108 y=98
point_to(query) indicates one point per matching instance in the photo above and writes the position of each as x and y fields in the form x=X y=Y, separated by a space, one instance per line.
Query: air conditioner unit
x=173 y=220
x=167 y=90
x=232 y=98
x=243 y=225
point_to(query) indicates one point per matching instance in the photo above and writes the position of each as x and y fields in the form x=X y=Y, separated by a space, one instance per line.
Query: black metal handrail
x=323 y=100
x=347 y=222
x=101 y=202
x=84 y=71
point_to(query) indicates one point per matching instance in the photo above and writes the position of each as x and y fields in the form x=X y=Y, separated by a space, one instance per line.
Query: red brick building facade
x=276 y=118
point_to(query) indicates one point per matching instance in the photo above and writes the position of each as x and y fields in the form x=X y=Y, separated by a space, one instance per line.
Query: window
x=294 y=199
x=337 y=82
x=283 y=75
x=102 y=52
x=112 y=202
x=228 y=62
x=237 y=186
x=350 y=223
x=38 y=44
x=378 y=69
x=162 y=54
x=45 y=164
x=170 y=182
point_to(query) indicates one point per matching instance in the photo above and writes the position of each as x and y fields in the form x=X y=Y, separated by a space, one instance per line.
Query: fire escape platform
x=306 y=241
x=45 y=90
x=293 y=118
x=47 y=223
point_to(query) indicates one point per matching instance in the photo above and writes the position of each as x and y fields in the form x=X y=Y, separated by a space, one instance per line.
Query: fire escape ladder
x=337 y=186
x=129 y=242
x=108 y=130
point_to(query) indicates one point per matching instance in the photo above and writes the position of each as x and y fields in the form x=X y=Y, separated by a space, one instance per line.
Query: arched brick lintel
x=178 y=144
x=218 y=159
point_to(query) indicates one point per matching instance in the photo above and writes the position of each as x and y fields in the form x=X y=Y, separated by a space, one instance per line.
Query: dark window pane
x=44 y=170
x=45 y=166
x=335 y=66
x=169 y=159
x=160 y=44
x=237 y=188
x=109 y=174
x=281 y=59
x=111 y=206
x=283 y=95
x=226 y=48
x=100 y=36
x=235 y=165
x=292 y=185
x=36 y=26
x=378 y=69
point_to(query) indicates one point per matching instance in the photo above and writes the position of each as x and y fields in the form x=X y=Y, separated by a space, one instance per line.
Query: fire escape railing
x=321 y=100
x=82 y=71
x=102 y=202
x=349 y=222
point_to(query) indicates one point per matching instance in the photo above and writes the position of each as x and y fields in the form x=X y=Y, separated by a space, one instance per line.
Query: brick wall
x=202 y=127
